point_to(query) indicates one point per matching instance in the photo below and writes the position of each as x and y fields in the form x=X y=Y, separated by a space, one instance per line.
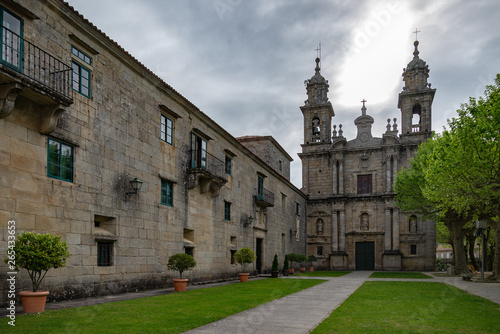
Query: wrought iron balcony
x=206 y=170
x=264 y=198
x=23 y=59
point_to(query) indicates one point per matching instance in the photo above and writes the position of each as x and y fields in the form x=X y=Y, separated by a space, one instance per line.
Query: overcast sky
x=244 y=62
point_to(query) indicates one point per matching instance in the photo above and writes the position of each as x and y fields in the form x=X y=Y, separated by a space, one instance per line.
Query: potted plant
x=286 y=266
x=244 y=257
x=311 y=259
x=180 y=262
x=292 y=257
x=302 y=259
x=37 y=253
x=275 y=267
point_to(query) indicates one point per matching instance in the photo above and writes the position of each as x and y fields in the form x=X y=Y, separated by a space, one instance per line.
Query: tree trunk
x=459 y=251
x=471 y=238
x=496 y=260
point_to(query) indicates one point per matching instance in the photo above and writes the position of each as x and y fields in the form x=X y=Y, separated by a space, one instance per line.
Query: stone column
x=335 y=234
x=342 y=231
x=395 y=230
x=341 y=177
x=388 y=230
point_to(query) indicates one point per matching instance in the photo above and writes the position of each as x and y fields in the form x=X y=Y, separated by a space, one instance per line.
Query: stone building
x=82 y=122
x=353 y=221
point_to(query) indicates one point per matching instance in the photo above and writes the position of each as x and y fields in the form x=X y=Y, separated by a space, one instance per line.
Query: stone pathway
x=297 y=313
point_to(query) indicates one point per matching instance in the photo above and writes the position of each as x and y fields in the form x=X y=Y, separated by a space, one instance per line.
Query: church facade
x=353 y=222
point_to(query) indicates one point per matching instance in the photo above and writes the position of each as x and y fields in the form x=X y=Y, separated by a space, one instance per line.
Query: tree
x=37 y=253
x=181 y=262
x=244 y=256
x=465 y=172
x=413 y=187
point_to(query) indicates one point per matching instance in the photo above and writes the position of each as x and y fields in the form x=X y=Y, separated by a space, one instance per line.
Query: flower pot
x=302 y=269
x=180 y=284
x=274 y=274
x=291 y=271
x=244 y=277
x=311 y=268
x=33 y=302
x=286 y=272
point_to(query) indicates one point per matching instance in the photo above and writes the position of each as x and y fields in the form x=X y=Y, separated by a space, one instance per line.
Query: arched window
x=416 y=118
x=316 y=129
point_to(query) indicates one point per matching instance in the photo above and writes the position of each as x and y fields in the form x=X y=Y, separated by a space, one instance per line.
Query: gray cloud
x=244 y=62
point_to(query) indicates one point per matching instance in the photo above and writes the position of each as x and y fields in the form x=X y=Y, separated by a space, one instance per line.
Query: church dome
x=317 y=87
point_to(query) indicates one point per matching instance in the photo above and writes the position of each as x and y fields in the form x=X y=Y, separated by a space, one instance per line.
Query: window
x=319 y=251
x=283 y=203
x=167 y=130
x=413 y=249
x=227 y=211
x=233 y=260
x=189 y=251
x=59 y=160
x=80 y=74
x=81 y=55
x=167 y=193
x=260 y=188
x=198 y=152
x=229 y=162
x=297 y=209
x=11 y=45
x=104 y=253
x=364 y=184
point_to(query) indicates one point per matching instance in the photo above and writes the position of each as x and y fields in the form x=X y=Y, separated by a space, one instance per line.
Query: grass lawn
x=323 y=274
x=412 y=307
x=172 y=313
x=383 y=274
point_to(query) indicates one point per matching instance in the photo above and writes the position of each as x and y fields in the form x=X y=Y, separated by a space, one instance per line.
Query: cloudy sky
x=244 y=62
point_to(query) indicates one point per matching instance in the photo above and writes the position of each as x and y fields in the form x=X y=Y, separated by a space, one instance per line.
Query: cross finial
x=363 y=109
x=318 y=51
x=416 y=33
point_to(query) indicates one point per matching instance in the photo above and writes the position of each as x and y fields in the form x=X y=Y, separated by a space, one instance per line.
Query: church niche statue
x=319 y=226
x=413 y=224
x=364 y=222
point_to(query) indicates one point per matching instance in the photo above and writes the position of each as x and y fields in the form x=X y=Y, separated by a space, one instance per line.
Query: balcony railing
x=207 y=171
x=264 y=198
x=415 y=128
x=32 y=62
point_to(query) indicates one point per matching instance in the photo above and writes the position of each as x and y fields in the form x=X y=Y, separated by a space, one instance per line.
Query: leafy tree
x=244 y=256
x=37 y=253
x=181 y=262
x=465 y=173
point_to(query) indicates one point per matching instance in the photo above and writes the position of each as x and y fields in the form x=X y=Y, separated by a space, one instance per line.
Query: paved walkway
x=296 y=313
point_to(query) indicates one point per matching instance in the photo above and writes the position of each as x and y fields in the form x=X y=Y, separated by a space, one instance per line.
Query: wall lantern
x=251 y=219
x=136 y=186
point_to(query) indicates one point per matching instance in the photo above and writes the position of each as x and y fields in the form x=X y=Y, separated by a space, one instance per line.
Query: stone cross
x=416 y=33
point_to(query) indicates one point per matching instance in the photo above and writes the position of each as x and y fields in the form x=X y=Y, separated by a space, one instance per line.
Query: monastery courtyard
x=313 y=308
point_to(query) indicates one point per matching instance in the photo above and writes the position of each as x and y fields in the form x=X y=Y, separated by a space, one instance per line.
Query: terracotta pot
x=311 y=268
x=244 y=277
x=302 y=270
x=274 y=274
x=33 y=302
x=286 y=272
x=291 y=271
x=180 y=284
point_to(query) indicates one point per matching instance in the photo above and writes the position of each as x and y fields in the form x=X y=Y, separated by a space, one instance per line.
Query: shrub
x=37 y=253
x=275 y=263
x=181 y=262
x=302 y=259
x=292 y=257
x=244 y=257
x=286 y=265
x=311 y=259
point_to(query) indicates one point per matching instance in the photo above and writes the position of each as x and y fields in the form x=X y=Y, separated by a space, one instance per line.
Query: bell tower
x=415 y=101
x=317 y=110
